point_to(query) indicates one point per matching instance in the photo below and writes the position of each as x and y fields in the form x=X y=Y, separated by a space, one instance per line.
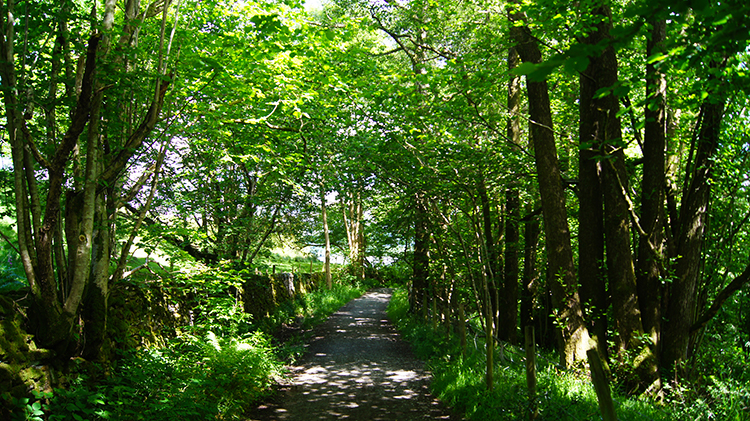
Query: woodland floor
x=356 y=367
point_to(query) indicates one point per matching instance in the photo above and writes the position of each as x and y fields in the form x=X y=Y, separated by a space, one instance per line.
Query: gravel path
x=357 y=368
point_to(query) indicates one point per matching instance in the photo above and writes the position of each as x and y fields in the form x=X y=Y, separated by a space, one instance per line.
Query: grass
x=459 y=380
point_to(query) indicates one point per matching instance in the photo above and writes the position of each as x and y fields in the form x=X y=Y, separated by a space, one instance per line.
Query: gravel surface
x=357 y=368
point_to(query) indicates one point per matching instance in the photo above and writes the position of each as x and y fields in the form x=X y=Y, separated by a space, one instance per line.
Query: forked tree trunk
x=353 y=213
x=59 y=288
x=605 y=130
x=680 y=312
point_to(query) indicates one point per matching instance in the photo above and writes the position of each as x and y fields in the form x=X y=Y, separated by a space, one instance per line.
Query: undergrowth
x=193 y=378
x=219 y=368
x=459 y=379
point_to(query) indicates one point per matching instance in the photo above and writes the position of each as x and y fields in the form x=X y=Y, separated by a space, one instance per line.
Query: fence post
x=601 y=386
x=530 y=343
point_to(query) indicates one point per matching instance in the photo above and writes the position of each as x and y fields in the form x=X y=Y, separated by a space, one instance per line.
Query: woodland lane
x=357 y=368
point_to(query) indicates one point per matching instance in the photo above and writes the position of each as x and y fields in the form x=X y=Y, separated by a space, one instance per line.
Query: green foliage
x=193 y=378
x=27 y=409
x=216 y=369
x=459 y=380
x=718 y=398
x=217 y=302
x=396 y=274
x=12 y=277
x=311 y=308
x=320 y=304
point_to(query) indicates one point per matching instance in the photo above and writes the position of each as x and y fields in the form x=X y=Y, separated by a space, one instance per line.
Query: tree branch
x=725 y=293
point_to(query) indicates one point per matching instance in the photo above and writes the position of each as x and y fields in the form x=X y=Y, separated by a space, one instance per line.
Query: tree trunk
x=60 y=287
x=355 y=234
x=650 y=250
x=574 y=336
x=593 y=284
x=680 y=312
x=324 y=212
x=619 y=257
x=492 y=263
x=530 y=273
x=421 y=265
x=508 y=325
x=95 y=306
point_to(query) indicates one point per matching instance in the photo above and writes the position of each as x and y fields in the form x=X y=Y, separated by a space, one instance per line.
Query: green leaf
x=656 y=57
x=576 y=64
x=524 y=68
x=621 y=90
x=602 y=92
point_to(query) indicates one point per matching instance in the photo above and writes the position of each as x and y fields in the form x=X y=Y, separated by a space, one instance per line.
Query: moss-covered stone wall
x=141 y=314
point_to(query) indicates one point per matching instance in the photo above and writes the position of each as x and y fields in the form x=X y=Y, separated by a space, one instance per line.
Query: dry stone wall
x=143 y=314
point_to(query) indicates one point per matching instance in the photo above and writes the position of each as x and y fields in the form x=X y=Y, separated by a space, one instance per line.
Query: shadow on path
x=357 y=368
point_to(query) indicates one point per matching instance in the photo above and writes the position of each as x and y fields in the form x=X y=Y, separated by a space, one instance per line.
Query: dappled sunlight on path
x=357 y=368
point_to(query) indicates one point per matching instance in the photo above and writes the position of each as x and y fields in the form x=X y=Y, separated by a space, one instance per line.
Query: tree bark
x=60 y=287
x=591 y=276
x=648 y=264
x=492 y=263
x=353 y=213
x=530 y=274
x=508 y=325
x=574 y=335
x=52 y=320
x=324 y=212
x=680 y=312
x=605 y=129
x=421 y=265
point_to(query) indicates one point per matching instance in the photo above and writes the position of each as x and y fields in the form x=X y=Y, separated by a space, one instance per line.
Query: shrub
x=194 y=378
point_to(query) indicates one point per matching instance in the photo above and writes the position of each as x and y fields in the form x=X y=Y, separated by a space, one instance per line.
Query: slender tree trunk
x=324 y=211
x=492 y=262
x=489 y=314
x=360 y=240
x=94 y=312
x=619 y=257
x=531 y=233
x=574 y=335
x=353 y=214
x=508 y=325
x=421 y=265
x=95 y=306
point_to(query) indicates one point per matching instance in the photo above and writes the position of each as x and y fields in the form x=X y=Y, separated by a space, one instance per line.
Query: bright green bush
x=194 y=378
